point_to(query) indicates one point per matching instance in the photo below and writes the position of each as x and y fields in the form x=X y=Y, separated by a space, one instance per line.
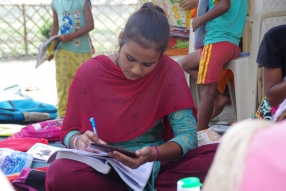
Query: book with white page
x=101 y=162
x=42 y=152
x=47 y=49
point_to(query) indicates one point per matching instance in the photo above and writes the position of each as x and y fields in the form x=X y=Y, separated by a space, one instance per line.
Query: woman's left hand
x=144 y=155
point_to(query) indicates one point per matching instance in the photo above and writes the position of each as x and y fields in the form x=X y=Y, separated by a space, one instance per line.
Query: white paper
x=135 y=178
x=42 y=152
x=42 y=57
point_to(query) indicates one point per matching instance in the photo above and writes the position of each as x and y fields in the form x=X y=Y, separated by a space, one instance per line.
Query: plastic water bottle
x=189 y=184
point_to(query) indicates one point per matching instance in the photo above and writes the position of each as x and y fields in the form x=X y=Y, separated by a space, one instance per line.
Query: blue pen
x=93 y=125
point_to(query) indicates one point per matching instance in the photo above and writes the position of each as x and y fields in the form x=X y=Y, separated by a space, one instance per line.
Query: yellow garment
x=215 y=2
x=226 y=75
x=9 y=129
x=67 y=64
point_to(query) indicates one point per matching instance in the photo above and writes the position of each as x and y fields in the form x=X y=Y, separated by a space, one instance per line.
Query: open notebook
x=134 y=178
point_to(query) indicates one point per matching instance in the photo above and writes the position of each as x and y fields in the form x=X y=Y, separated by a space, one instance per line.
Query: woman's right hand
x=144 y=155
x=85 y=140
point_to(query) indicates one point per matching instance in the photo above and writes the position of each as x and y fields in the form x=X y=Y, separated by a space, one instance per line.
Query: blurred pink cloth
x=265 y=167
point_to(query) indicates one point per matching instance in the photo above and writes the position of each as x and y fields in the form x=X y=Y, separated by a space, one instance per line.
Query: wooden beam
x=246 y=39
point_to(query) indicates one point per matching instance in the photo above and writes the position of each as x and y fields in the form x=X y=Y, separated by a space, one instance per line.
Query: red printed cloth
x=21 y=144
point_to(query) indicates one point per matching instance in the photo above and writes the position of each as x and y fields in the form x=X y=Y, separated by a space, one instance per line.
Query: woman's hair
x=227 y=168
x=148 y=27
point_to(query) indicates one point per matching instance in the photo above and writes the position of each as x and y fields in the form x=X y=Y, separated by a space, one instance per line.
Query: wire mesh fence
x=22 y=25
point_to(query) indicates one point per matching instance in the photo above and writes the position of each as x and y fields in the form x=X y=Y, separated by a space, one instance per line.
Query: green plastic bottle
x=189 y=184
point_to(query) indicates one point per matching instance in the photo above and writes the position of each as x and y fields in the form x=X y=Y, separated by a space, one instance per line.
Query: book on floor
x=47 y=49
x=13 y=161
x=101 y=162
x=42 y=152
x=221 y=126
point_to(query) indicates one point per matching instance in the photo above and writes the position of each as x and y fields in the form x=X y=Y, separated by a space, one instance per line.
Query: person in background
x=250 y=156
x=140 y=101
x=221 y=99
x=72 y=20
x=272 y=56
x=220 y=46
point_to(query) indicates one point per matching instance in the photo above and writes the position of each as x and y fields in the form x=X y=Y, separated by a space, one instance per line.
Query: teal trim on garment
x=184 y=126
x=67 y=138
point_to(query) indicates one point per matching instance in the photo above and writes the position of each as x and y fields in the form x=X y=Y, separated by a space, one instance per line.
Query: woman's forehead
x=139 y=53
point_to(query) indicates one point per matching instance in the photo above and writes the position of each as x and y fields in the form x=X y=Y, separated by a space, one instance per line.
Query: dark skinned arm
x=219 y=9
x=189 y=4
x=55 y=26
x=274 y=88
x=85 y=29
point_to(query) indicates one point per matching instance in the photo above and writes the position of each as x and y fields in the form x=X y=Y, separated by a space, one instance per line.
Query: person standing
x=227 y=75
x=72 y=20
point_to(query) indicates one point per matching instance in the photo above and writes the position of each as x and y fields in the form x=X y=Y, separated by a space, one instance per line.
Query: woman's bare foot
x=219 y=103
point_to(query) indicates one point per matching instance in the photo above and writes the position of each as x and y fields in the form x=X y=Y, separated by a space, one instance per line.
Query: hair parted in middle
x=148 y=27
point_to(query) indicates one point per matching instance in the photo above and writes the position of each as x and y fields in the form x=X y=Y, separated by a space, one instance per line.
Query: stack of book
x=179 y=20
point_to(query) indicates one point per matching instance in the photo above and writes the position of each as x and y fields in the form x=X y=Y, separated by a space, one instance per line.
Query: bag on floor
x=49 y=130
x=14 y=92
x=30 y=180
x=13 y=161
x=26 y=110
